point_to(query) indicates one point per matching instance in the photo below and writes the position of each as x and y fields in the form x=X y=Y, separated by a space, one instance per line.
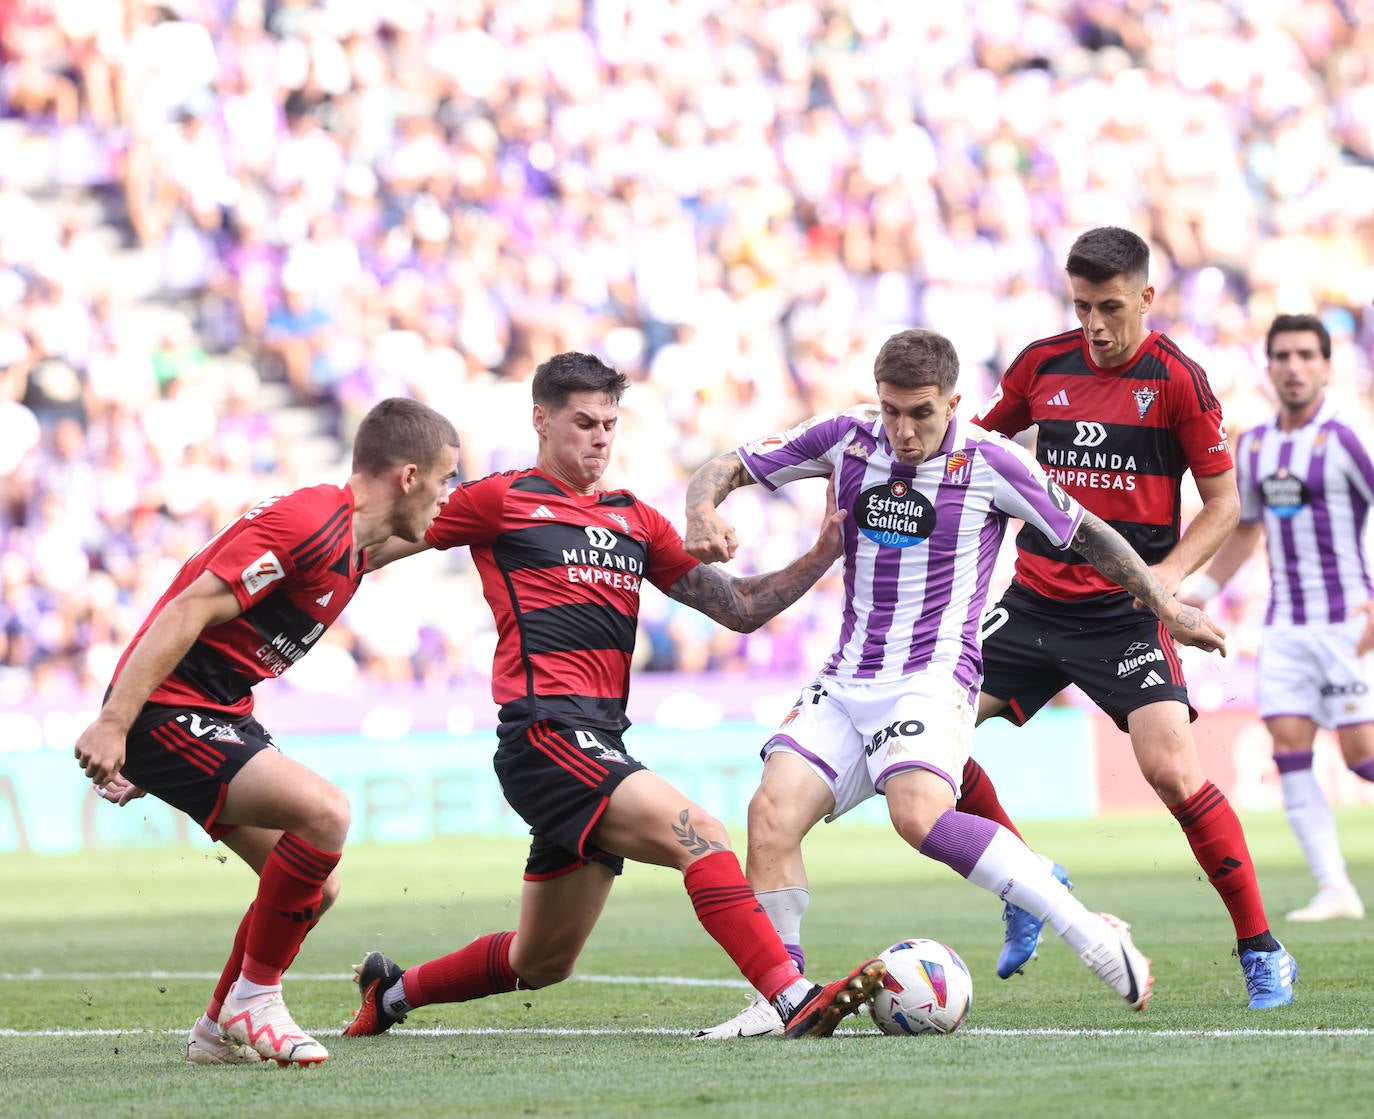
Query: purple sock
x=958 y=840
x=1293 y=760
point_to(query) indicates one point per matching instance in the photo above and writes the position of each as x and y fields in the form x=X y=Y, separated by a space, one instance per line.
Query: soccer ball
x=927 y=989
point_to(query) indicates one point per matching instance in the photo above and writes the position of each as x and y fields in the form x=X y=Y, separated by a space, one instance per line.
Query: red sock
x=1218 y=843
x=729 y=911
x=978 y=797
x=231 y=969
x=482 y=968
x=290 y=890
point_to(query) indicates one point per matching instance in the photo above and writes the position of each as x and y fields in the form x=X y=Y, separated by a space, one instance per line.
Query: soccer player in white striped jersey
x=892 y=711
x=1306 y=480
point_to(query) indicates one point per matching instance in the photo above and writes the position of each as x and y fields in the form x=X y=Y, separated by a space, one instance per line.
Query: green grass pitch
x=109 y=957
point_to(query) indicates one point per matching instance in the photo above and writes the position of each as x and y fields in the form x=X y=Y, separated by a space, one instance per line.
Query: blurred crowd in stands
x=227 y=227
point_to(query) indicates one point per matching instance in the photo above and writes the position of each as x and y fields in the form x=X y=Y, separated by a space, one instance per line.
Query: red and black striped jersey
x=289 y=561
x=561 y=573
x=1119 y=440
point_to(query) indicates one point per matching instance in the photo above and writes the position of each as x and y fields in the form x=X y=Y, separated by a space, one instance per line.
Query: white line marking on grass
x=654 y=980
x=329 y=977
x=539 y=1031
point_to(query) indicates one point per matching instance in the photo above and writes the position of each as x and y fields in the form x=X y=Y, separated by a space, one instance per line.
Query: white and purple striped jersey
x=920 y=542
x=1313 y=488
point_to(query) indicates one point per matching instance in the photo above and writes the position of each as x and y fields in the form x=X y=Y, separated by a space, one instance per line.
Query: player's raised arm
x=710 y=536
x=1106 y=549
x=745 y=603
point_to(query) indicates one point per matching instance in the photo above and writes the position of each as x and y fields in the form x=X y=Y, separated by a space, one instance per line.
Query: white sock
x=394 y=1000
x=1310 y=817
x=1015 y=873
x=791 y=997
x=785 y=908
x=246 y=989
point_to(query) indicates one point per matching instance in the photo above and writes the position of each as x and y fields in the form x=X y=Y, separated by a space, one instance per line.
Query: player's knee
x=769 y=829
x=912 y=826
x=334 y=815
x=1173 y=783
x=543 y=972
x=704 y=833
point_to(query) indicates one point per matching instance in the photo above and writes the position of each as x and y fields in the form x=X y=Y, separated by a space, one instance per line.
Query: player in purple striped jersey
x=892 y=711
x=1306 y=482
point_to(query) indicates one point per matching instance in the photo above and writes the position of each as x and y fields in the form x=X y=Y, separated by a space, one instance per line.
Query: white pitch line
x=329 y=977
x=492 y=1031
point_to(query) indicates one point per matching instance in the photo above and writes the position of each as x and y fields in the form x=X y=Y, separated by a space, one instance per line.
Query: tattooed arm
x=1106 y=549
x=709 y=535
x=744 y=604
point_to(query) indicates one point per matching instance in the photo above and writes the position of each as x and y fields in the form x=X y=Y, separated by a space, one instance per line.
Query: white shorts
x=856 y=734
x=1312 y=672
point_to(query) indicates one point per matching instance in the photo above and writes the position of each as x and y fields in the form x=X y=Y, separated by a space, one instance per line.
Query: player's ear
x=410 y=475
x=1147 y=297
x=954 y=402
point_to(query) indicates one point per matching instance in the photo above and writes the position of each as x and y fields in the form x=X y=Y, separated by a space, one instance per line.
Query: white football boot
x=758 y=1019
x=1119 y=963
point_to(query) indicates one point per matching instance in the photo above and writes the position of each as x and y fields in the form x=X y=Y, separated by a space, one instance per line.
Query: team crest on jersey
x=1284 y=494
x=621 y=521
x=895 y=515
x=957 y=468
x=1143 y=399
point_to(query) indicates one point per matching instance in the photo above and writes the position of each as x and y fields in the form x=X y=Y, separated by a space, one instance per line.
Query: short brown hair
x=911 y=359
x=1106 y=252
x=564 y=374
x=1310 y=324
x=400 y=430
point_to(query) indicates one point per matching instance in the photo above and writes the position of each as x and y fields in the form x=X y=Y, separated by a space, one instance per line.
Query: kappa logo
x=1090 y=434
x=603 y=753
x=602 y=539
x=213 y=731
x=856 y=450
x=1059 y=399
x=543 y=511
x=324 y=599
x=1143 y=399
x=262 y=572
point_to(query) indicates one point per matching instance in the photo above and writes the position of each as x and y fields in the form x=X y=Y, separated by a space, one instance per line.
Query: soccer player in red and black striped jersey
x=562 y=564
x=178 y=719
x=1122 y=415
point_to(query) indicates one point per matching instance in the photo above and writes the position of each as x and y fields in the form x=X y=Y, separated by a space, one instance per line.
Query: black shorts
x=559 y=777
x=187 y=756
x=1121 y=656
